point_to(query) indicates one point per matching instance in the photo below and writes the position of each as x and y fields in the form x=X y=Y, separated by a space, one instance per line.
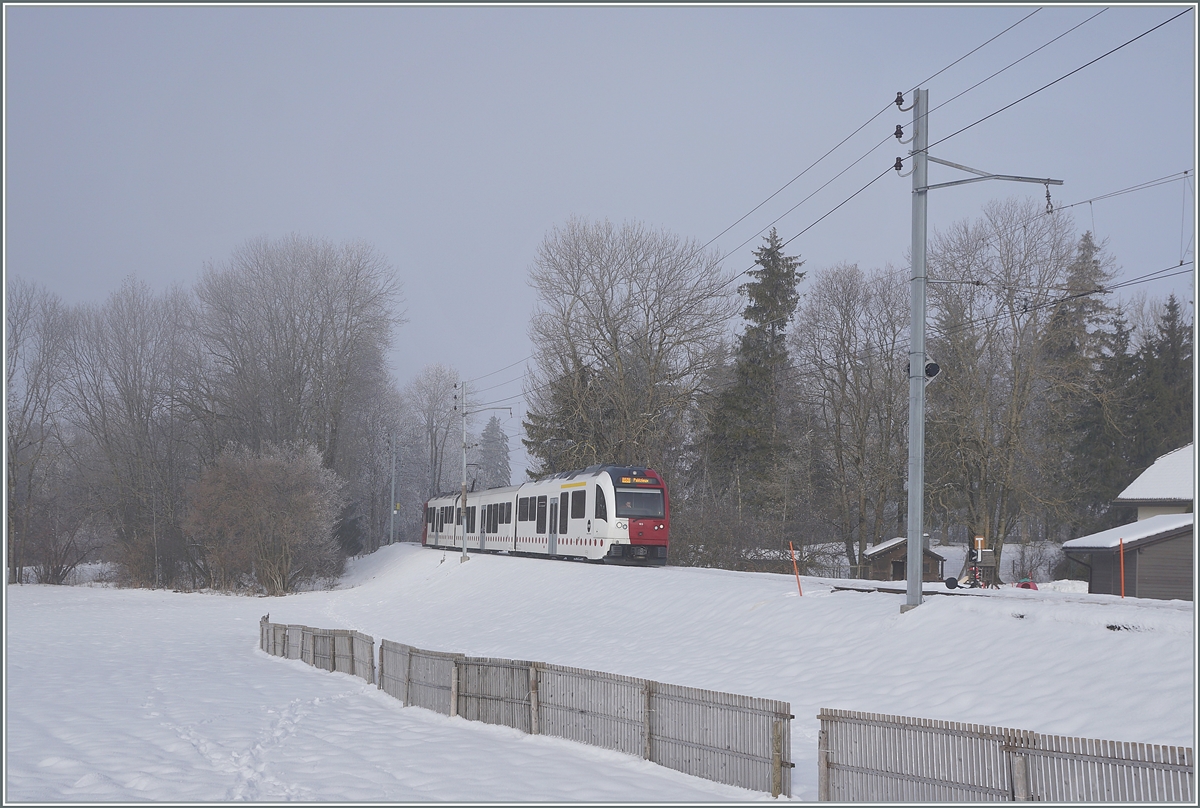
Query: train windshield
x=640 y=503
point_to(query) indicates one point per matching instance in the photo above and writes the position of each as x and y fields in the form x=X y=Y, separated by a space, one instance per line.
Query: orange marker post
x=796 y=569
x=1121 y=544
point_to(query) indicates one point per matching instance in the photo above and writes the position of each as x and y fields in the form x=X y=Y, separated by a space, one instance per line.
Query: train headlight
x=621 y=525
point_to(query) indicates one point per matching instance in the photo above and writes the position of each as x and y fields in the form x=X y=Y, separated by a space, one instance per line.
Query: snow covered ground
x=123 y=695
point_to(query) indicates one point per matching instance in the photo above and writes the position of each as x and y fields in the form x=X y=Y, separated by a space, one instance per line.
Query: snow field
x=137 y=695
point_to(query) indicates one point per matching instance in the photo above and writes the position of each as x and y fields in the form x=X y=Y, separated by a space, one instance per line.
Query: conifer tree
x=1163 y=389
x=493 y=456
x=747 y=434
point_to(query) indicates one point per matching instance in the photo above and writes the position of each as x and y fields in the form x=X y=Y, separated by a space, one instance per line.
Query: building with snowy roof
x=1168 y=486
x=1157 y=552
x=888 y=561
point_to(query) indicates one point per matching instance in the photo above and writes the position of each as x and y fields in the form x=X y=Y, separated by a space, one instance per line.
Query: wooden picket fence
x=338 y=650
x=731 y=739
x=886 y=758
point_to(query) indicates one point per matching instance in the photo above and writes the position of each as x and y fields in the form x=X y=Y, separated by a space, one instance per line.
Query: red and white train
x=611 y=514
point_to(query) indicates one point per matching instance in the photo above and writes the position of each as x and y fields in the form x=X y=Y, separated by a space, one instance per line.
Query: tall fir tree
x=1082 y=409
x=1163 y=389
x=1100 y=433
x=747 y=434
x=493 y=456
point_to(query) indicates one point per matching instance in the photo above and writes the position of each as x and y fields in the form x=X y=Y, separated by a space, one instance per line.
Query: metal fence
x=886 y=758
x=339 y=650
x=736 y=740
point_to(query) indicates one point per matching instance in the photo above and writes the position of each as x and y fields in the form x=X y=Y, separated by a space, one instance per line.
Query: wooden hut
x=1157 y=551
x=888 y=561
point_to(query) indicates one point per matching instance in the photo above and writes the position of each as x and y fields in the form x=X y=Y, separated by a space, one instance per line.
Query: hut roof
x=1136 y=533
x=884 y=546
x=1169 y=478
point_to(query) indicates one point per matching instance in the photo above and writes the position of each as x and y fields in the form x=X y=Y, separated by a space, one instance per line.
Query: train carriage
x=610 y=514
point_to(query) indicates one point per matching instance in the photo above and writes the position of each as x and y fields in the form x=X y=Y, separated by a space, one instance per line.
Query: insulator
x=899 y=164
x=899 y=99
x=899 y=133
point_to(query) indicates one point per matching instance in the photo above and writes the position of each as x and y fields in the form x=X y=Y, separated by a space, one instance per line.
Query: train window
x=541 y=516
x=523 y=509
x=640 y=503
x=457 y=516
x=470 y=519
x=563 y=499
x=508 y=513
x=601 y=504
x=578 y=504
x=493 y=518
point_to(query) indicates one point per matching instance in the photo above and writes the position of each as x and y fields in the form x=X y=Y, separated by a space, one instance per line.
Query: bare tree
x=34 y=377
x=293 y=328
x=849 y=342
x=996 y=284
x=622 y=333
x=429 y=401
x=122 y=357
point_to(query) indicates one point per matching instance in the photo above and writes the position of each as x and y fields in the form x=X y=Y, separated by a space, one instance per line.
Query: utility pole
x=916 y=348
x=920 y=370
x=462 y=405
x=392 y=523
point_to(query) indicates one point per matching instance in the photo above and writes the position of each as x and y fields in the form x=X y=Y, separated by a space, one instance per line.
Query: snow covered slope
x=117 y=694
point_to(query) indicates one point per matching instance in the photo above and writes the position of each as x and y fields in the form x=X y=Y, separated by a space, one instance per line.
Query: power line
x=501 y=370
x=849 y=136
x=1057 y=80
x=877 y=178
x=814 y=164
x=1017 y=62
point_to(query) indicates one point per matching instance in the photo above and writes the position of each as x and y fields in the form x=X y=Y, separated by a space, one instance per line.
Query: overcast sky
x=151 y=140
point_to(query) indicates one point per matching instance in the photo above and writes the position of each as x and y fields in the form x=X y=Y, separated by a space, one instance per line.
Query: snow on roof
x=885 y=545
x=1170 y=477
x=1144 y=529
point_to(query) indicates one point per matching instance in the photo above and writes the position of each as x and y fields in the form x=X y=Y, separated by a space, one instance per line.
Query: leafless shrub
x=270 y=515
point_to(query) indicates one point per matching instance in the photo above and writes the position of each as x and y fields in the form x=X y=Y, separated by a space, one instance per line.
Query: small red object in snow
x=1025 y=583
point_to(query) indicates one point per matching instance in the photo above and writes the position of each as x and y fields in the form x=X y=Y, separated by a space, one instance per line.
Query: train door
x=552 y=546
x=600 y=514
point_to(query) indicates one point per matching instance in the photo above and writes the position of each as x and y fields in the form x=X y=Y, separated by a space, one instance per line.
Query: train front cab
x=641 y=515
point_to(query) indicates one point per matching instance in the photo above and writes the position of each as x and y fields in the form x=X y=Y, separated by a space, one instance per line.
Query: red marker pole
x=796 y=569
x=1121 y=544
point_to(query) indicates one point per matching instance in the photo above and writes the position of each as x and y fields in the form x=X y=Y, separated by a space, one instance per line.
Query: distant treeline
x=1049 y=401
x=244 y=433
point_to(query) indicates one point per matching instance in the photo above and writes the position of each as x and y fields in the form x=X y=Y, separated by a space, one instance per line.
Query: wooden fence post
x=533 y=700
x=1020 y=777
x=776 y=758
x=648 y=691
x=823 y=766
x=350 y=638
x=408 y=675
x=454 y=690
x=379 y=678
